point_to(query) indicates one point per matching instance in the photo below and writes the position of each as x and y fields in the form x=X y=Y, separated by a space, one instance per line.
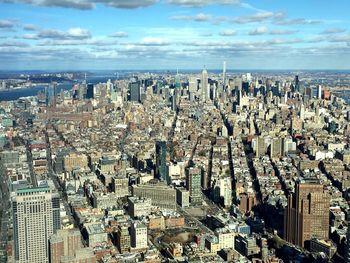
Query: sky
x=171 y=34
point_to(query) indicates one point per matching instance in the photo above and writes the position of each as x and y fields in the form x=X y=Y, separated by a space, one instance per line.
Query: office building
x=226 y=191
x=75 y=161
x=297 y=83
x=90 y=91
x=138 y=234
x=123 y=239
x=193 y=183
x=120 y=186
x=307 y=213
x=205 y=85
x=64 y=243
x=96 y=234
x=319 y=92
x=224 y=75
x=192 y=84
x=276 y=148
x=50 y=95
x=161 y=166
x=182 y=197
x=138 y=206
x=135 y=91
x=36 y=216
x=162 y=196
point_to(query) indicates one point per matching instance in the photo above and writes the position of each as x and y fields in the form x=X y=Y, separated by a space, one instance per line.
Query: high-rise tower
x=161 y=167
x=36 y=216
x=193 y=183
x=307 y=213
x=224 y=75
x=50 y=95
x=205 y=85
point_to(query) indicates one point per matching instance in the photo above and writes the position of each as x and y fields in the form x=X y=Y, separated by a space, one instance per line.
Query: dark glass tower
x=90 y=91
x=161 y=167
x=134 y=89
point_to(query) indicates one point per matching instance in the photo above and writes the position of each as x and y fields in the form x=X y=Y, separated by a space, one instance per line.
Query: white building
x=36 y=216
x=138 y=235
x=139 y=206
x=205 y=85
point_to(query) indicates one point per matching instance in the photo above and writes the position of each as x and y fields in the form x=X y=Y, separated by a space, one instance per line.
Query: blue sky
x=170 y=34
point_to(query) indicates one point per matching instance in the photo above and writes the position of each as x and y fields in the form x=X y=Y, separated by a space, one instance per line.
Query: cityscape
x=174 y=131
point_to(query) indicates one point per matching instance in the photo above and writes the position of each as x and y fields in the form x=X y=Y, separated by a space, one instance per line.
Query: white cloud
x=259 y=31
x=201 y=3
x=153 y=41
x=229 y=32
x=86 y=4
x=120 y=34
x=7 y=24
x=29 y=27
x=201 y=17
x=333 y=31
x=72 y=33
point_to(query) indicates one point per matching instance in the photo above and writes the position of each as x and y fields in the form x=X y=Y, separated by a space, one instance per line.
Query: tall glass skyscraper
x=50 y=95
x=90 y=91
x=161 y=167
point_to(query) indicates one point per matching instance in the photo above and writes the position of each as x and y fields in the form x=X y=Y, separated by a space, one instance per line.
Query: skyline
x=170 y=34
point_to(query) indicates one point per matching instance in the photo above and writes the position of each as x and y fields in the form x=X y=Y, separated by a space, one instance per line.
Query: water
x=15 y=94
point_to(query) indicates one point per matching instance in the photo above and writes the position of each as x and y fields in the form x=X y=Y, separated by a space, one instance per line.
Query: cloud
x=153 y=41
x=72 y=33
x=198 y=17
x=201 y=3
x=229 y=32
x=259 y=31
x=30 y=36
x=333 y=31
x=86 y=4
x=258 y=17
x=8 y=24
x=13 y=44
x=29 y=27
x=282 y=32
x=295 y=21
x=128 y=4
x=120 y=34
x=207 y=34
x=78 y=42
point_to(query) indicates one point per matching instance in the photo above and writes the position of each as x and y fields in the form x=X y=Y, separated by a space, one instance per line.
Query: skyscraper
x=319 y=92
x=90 y=91
x=161 y=167
x=193 y=183
x=36 y=216
x=297 y=84
x=224 y=75
x=50 y=95
x=307 y=213
x=205 y=85
x=135 y=92
x=177 y=80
